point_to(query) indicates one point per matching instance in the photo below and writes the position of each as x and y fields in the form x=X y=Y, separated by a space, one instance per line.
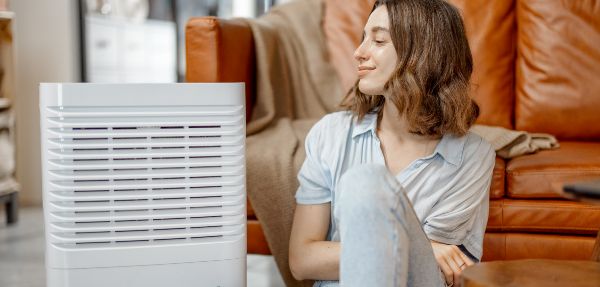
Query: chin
x=368 y=89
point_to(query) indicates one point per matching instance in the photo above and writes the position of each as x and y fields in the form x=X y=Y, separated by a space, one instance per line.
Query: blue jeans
x=382 y=241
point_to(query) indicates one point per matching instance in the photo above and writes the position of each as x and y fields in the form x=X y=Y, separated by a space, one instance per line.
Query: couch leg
x=12 y=209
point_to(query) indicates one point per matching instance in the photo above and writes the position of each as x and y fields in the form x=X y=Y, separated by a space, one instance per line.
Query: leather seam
x=554 y=206
x=579 y=171
x=577 y=236
x=533 y=196
x=550 y=227
x=502 y=212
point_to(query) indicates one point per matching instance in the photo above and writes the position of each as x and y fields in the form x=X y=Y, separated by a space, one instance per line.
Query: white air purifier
x=144 y=184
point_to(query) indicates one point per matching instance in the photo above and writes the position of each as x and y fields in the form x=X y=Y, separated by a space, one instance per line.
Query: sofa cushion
x=549 y=216
x=490 y=27
x=513 y=246
x=557 y=68
x=542 y=174
x=498 y=178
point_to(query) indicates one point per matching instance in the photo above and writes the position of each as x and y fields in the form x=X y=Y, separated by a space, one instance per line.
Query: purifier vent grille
x=145 y=175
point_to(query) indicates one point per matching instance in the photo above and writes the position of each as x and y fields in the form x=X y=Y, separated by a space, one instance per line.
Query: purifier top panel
x=182 y=94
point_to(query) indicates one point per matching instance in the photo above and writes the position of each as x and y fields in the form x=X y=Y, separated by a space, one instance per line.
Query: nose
x=360 y=53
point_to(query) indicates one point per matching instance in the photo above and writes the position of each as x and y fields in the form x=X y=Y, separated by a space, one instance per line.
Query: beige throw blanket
x=294 y=78
x=296 y=85
x=509 y=143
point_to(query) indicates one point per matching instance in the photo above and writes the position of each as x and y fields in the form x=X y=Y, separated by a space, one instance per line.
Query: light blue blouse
x=449 y=189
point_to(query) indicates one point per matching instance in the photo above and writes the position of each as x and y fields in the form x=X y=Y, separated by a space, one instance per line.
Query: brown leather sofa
x=537 y=68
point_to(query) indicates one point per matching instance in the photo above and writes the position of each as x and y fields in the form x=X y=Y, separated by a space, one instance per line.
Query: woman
x=394 y=191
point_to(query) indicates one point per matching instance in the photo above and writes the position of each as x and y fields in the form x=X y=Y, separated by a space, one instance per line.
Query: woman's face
x=376 y=55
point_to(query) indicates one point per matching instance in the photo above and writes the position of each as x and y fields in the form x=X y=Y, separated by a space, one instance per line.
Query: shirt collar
x=368 y=123
x=450 y=147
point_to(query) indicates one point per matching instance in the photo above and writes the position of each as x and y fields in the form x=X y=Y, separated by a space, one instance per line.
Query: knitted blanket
x=296 y=86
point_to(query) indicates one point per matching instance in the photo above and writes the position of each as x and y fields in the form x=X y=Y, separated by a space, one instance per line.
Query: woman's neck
x=398 y=145
x=394 y=125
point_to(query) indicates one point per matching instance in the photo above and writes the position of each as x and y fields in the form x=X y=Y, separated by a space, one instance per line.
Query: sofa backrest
x=536 y=62
x=221 y=51
x=343 y=25
x=490 y=28
x=558 y=68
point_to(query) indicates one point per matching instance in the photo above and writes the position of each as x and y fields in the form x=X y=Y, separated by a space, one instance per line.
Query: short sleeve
x=454 y=215
x=314 y=176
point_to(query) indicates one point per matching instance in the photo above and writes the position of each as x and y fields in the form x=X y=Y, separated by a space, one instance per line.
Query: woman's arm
x=455 y=215
x=451 y=260
x=311 y=256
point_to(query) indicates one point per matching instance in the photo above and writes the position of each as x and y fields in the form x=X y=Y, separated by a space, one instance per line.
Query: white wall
x=47 y=50
x=243 y=8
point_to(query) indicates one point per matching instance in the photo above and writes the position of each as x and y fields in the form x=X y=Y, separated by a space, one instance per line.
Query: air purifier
x=144 y=184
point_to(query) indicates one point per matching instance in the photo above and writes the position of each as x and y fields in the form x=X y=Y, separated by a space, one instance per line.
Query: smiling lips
x=363 y=70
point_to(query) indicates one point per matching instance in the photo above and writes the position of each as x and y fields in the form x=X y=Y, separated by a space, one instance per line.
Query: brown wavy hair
x=431 y=83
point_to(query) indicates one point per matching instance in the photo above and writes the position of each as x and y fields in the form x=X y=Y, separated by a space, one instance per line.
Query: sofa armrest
x=220 y=50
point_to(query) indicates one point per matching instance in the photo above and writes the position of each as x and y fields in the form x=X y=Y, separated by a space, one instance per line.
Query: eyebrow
x=376 y=29
x=379 y=29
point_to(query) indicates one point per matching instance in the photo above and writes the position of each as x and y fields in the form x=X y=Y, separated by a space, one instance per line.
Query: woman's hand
x=451 y=260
